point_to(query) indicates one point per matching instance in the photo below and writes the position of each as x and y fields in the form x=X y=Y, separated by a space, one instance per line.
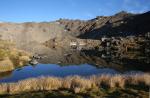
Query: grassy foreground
x=108 y=86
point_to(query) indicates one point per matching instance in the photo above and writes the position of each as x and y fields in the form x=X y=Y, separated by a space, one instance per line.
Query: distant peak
x=122 y=13
x=148 y=12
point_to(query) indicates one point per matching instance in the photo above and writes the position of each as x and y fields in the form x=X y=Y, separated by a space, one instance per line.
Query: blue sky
x=49 y=10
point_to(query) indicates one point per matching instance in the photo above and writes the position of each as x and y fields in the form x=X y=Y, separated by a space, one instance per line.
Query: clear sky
x=49 y=10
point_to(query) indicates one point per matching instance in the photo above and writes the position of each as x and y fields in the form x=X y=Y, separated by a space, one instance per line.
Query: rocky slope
x=120 y=24
x=23 y=33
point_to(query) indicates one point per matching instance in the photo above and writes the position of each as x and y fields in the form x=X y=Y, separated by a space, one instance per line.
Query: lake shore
x=77 y=84
x=11 y=57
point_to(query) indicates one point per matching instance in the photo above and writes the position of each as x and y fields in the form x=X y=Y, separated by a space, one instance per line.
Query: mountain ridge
x=120 y=24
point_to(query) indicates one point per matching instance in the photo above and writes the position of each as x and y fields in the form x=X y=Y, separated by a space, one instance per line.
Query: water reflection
x=132 y=60
x=5 y=74
x=55 y=70
x=64 y=61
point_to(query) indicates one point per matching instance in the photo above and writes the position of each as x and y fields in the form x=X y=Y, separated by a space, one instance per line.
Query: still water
x=64 y=62
x=55 y=70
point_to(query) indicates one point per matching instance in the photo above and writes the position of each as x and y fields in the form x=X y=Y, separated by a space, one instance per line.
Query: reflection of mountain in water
x=132 y=60
x=107 y=58
x=5 y=74
x=121 y=61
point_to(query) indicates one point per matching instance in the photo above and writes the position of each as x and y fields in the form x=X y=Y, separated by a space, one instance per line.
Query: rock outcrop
x=120 y=24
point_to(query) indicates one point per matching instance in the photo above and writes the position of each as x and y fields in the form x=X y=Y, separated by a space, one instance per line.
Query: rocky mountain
x=22 y=33
x=120 y=24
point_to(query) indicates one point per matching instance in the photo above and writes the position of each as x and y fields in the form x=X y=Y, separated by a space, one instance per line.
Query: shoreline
x=76 y=84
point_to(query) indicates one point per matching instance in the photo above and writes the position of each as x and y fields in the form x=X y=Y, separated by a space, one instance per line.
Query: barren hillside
x=120 y=24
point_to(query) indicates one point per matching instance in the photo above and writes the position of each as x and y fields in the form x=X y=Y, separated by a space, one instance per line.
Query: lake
x=56 y=70
x=66 y=62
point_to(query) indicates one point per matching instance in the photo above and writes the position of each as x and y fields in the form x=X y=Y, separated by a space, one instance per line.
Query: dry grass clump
x=49 y=83
x=74 y=83
x=101 y=81
x=77 y=83
x=3 y=88
x=11 y=58
x=109 y=81
x=19 y=57
x=33 y=84
x=138 y=79
x=6 y=65
x=117 y=81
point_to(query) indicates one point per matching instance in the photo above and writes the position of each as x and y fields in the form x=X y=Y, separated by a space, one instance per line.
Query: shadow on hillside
x=132 y=25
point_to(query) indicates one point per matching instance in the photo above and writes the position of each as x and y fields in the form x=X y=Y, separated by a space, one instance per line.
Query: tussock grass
x=75 y=83
x=143 y=79
x=10 y=57
x=6 y=65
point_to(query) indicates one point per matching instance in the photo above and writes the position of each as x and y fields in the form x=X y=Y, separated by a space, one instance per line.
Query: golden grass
x=6 y=65
x=10 y=57
x=143 y=79
x=74 y=83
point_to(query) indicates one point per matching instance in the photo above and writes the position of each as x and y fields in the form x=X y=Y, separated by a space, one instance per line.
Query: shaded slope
x=120 y=24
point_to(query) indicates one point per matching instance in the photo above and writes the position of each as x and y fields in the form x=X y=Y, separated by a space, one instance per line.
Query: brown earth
x=120 y=24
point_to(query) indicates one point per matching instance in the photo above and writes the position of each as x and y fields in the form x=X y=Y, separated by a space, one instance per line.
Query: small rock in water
x=33 y=62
